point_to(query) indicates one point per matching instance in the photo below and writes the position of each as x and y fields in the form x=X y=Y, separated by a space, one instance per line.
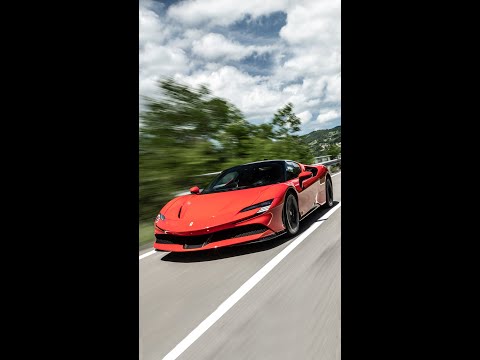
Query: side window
x=292 y=170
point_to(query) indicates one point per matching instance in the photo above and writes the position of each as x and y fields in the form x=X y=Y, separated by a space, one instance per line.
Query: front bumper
x=260 y=227
x=163 y=245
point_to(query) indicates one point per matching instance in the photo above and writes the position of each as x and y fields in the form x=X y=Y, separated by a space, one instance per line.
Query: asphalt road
x=292 y=313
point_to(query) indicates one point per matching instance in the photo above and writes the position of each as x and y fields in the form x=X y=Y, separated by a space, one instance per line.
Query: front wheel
x=291 y=216
x=329 y=193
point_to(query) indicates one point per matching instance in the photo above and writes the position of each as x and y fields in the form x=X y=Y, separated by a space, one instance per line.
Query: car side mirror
x=304 y=175
x=194 y=190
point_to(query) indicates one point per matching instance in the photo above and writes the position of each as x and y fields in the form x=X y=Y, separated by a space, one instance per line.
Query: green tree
x=178 y=133
x=187 y=131
x=285 y=122
x=288 y=145
x=333 y=150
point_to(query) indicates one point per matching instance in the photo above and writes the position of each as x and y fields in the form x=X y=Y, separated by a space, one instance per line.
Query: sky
x=257 y=54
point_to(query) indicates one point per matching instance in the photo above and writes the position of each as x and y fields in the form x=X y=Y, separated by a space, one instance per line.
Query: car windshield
x=247 y=176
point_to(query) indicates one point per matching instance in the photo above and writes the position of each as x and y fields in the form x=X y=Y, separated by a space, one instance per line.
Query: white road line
x=245 y=288
x=330 y=212
x=146 y=254
x=336 y=173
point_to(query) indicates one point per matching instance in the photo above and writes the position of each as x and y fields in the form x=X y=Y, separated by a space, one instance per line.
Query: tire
x=329 y=193
x=291 y=216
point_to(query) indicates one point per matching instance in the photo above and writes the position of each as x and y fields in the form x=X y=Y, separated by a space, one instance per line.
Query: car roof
x=265 y=161
x=259 y=162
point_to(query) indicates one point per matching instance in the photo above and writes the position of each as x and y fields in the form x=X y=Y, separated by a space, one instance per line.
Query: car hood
x=195 y=212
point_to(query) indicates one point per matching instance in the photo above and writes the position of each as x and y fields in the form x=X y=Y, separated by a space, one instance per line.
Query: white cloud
x=253 y=95
x=190 y=42
x=313 y=22
x=222 y=12
x=322 y=88
x=305 y=116
x=157 y=57
x=250 y=94
x=186 y=38
x=151 y=28
x=327 y=115
x=155 y=61
x=215 y=46
x=312 y=35
x=310 y=62
x=333 y=88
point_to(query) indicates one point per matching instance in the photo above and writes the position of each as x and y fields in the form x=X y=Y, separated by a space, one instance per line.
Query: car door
x=307 y=192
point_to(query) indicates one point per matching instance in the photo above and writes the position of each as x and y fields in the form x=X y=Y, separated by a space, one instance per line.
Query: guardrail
x=328 y=164
x=207 y=174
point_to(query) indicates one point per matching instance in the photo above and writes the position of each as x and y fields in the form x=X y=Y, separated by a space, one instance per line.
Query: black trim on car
x=189 y=242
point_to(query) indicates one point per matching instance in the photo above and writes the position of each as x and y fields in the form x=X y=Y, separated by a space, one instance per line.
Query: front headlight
x=264 y=206
x=160 y=217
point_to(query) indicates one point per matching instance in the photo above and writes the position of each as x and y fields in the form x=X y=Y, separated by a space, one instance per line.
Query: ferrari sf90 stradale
x=246 y=203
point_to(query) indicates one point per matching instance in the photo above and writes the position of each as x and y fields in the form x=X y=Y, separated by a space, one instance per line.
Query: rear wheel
x=291 y=216
x=329 y=193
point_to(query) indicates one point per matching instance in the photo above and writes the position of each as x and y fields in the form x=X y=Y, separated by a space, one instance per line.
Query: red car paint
x=213 y=220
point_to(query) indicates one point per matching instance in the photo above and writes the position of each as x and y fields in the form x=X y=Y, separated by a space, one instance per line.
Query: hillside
x=322 y=140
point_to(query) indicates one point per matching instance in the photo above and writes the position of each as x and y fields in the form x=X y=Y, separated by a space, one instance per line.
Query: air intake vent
x=233 y=233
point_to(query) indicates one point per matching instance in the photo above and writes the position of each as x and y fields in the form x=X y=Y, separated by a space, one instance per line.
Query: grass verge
x=145 y=232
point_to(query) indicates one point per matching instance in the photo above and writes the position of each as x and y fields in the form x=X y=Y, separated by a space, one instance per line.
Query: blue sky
x=259 y=55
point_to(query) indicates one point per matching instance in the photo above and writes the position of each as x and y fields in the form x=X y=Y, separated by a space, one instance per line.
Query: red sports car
x=246 y=203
